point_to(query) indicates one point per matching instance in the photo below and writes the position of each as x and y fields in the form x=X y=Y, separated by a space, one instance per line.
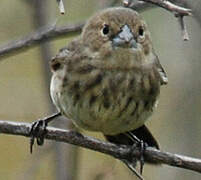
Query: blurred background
x=24 y=95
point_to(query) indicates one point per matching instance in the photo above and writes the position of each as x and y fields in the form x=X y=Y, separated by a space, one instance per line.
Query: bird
x=108 y=79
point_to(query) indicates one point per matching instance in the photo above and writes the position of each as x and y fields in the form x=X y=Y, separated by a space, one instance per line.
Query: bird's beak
x=124 y=38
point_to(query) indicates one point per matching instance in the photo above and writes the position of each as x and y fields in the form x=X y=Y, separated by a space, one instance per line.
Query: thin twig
x=183 y=28
x=42 y=35
x=61 y=6
x=117 y=151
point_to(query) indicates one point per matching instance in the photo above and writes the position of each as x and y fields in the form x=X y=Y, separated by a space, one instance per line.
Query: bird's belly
x=106 y=109
x=112 y=120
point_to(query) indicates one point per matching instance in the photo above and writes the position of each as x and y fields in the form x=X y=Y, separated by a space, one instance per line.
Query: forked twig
x=178 y=11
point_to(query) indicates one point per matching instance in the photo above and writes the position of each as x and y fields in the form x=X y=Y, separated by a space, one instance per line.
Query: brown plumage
x=109 y=78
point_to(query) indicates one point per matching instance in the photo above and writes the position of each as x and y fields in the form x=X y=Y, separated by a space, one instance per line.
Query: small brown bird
x=108 y=79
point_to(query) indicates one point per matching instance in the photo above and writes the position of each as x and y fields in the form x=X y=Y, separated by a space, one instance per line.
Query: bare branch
x=44 y=34
x=178 y=11
x=161 y=3
x=117 y=151
x=171 y=7
x=138 y=5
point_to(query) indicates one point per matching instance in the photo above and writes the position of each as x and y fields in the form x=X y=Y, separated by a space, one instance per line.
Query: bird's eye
x=105 y=29
x=141 y=32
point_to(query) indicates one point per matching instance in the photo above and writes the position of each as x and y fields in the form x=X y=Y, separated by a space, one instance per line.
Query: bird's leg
x=142 y=148
x=38 y=129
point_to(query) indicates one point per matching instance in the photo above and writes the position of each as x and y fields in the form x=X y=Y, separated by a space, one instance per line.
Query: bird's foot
x=142 y=150
x=137 y=143
x=38 y=130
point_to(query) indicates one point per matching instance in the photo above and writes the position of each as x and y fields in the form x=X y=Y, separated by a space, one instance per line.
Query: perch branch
x=44 y=34
x=117 y=151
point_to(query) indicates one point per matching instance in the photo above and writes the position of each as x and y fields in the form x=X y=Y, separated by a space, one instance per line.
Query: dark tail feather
x=142 y=133
x=145 y=135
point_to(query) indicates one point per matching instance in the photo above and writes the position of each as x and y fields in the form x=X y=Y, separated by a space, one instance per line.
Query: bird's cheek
x=106 y=49
x=139 y=48
x=146 y=48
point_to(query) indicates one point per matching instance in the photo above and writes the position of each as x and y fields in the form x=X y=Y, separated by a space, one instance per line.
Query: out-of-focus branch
x=53 y=32
x=42 y=35
x=59 y=150
x=117 y=151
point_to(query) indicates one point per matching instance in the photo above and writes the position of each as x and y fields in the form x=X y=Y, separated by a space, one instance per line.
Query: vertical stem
x=64 y=168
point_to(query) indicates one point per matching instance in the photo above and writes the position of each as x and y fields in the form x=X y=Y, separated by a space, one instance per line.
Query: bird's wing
x=162 y=73
x=67 y=53
x=57 y=60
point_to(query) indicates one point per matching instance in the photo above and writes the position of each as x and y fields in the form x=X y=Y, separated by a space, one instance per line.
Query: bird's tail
x=130 y=138
x=142 y=133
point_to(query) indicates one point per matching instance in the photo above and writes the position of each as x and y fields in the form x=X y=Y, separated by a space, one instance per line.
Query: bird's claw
x=137 y=142
x=142 y=150
x=142 y=145
x=38 y=131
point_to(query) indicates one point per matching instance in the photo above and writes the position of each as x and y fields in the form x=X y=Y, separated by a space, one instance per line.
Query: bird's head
x=117 y=28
